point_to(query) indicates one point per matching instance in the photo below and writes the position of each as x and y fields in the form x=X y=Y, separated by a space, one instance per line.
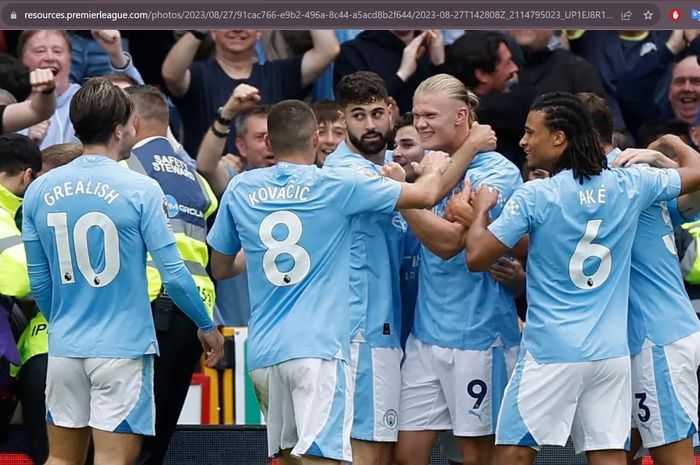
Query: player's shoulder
x=496 y=163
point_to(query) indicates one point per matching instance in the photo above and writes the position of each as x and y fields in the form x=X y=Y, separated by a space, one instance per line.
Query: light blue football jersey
x=293 y=222
x=578 y=267
x=459 y=309
x=95 y=220
x=659 y=307
x=375 y=258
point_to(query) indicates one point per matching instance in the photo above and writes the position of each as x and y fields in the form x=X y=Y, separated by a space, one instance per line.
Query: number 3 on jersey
x=288 y=246
x=110 y=237
x=585 y=250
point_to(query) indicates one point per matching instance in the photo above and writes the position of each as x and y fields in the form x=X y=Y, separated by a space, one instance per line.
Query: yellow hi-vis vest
x=14 y=278
x=190 y=239
x=690 y=264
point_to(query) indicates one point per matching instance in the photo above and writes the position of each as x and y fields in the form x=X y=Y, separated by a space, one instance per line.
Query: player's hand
x=411 y=54
x=393 y=171
x=509 y=272
x=485 y=199
x=651 y=157
x=243 y=97
x=459 y=209
x=394 y=111
x=666 y=143
x=38 y=131
x=42 y=80
x=434 y=161
x=213 y=345
x=690 y=35
x=233 y=161
x=483 y=137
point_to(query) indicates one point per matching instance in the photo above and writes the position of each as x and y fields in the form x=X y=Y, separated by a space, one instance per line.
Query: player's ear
x=240 y=145
x=268 y=145
x=315 y=139
x=559 y=138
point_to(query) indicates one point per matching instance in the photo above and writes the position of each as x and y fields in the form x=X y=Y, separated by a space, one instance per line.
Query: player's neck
x=296 y=158
x=103 y=150
x=607 y=148
x=457 y=142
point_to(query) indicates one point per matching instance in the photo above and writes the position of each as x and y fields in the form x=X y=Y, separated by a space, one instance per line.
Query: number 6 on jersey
x=586 y=249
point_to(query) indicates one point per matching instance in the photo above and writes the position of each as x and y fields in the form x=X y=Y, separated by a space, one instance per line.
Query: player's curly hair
x=360 y=87
x=566 y=113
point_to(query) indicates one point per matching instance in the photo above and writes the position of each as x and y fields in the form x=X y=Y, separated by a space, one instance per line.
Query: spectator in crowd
x=550 y=67
x=233 y=301
x=89 y=58
x=681 y=99
x=14 y=77
x=653 y=129
x=39 y=106
x=180 y=350
x=51 y=49
x=615 y=54
x=402 y=58
x=33 y=343
x=200 y=89
x=331 y=128
x=483 y=62
x=99 y=377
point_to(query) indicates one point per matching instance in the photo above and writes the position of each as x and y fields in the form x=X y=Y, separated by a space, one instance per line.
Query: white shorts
x=665 y=390
x=377 y=379
x=546 y=402
x=307 y=404
x=455 y=389
x=109 y=394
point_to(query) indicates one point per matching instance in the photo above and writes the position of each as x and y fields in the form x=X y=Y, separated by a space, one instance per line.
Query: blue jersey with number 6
x=293 y=223
x=578 y=267
x=95 y=220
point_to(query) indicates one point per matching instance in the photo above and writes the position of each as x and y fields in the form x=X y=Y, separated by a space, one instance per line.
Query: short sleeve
x=366 y=192
x=223 y=236
x=516 y=219
x=656 y=184
x=286 y=74
x=155 y=226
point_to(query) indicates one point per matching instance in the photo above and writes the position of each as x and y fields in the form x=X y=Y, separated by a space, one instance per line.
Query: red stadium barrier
x=648 y=460
x=15 y=459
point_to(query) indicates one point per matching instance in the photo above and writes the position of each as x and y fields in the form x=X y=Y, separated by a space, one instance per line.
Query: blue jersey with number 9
x=293 y=223
x=578 y=266
x=95 y=220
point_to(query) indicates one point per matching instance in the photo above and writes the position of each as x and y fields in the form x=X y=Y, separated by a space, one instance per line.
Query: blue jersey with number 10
x=293 y=222
x=95 y=219
x=578 y=267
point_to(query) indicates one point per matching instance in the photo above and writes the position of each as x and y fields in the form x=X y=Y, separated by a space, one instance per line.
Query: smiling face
x=542 y=147
x=330 y=133
x=408 y=149
x=684 y=91
x=367 y=125
x=251 y=144
x=49 y=49
x=438 y=119
x=235 y=40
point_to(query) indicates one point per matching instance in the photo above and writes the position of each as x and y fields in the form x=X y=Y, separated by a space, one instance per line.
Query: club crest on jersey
x=391 y=419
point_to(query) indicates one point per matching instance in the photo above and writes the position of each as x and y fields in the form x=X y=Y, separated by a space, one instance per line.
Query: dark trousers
x=32 y=384
x=180 y=350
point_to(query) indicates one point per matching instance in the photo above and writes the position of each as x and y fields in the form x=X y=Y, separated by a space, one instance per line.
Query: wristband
x=218 y=133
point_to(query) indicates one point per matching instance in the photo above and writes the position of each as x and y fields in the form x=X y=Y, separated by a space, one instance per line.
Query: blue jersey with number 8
x=293 y=223
x=578 y=266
